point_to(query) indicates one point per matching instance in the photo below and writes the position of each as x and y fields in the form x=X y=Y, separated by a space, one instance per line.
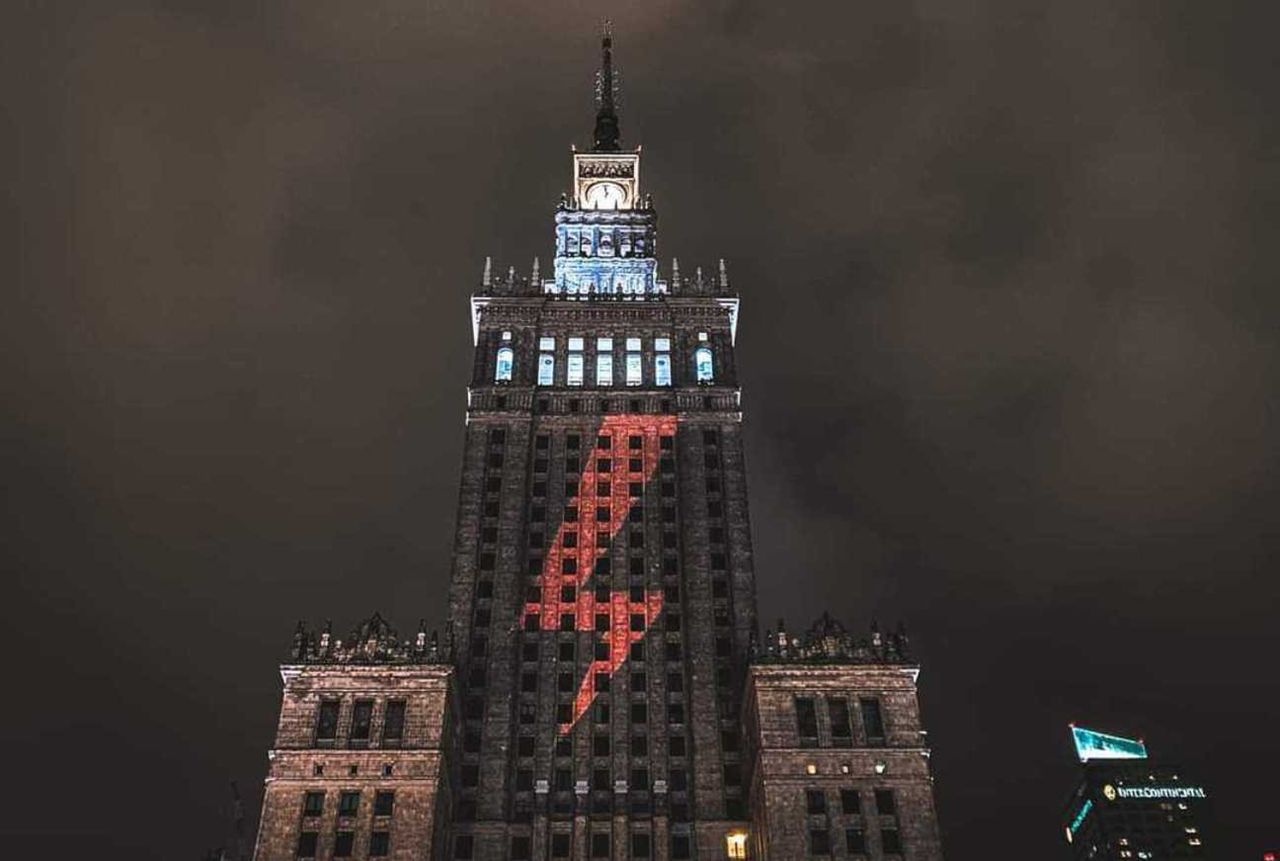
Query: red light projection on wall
x=604 y=502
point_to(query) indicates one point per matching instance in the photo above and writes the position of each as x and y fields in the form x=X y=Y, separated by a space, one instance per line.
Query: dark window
x=815 y=801
x=807 y=721
x=600 y=745
x=484 y=589
x=885 y=803
x=307 y=844
x=819 y=841
x=639 y=681
x=521 y=848
x=635 y=464
x=637 y=621
x=604 y=442
x=564 y=712
x=570 y=539
x=733 y=774
x=673 y=651
x=567 y=621
x=600 y=779
x=565 y=683
x=639 y=745
x=855 y=842
x=675 y=713
x=602 y=711
x=571 y=515
x=872 y=720
x=348 y=803
x=602 y=623
x=600 y=651
x=313 y=804
x=602 y=516
x=849 y=801
x=529 y=682
x=383 y=803
x=639 y=845
x=637 y=651
x=563 y=780
x=600 y=845
x=379 y=844
x=327 y=722
x=639 y=713
x=679 y=779
x=470 y=775
x=680 y=847
x=464 y=846
x=559 y=845
x=566 y=651
x=841 y=729
x=602 y=682
x=344 y=844
x=524 y=779
x=890 y=841
x=524 y=745
x=676 y=745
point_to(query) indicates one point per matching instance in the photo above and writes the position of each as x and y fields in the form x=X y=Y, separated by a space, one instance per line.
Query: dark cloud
x=1007 y=342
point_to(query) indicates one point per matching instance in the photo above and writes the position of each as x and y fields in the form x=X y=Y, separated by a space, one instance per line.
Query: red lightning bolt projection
x=604 y=503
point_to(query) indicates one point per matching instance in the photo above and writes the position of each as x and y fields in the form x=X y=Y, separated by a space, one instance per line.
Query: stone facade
x=602 y=606
x=361 y=765
x=838 y=765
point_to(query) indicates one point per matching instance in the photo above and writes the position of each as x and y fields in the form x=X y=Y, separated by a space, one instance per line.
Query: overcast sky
x=1008 y=347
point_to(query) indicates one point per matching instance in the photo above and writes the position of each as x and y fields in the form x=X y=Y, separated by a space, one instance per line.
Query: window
x=806 y=721
x=855 y=842
x=604 y=370
x=383 y=803
x=662 y=345
x=635 y=369
x=815 y=801
x=885 y=804
x=662 y=369
x=506 y=362
x=600 y=844
x=307 y=844
x=348 y=803
x=379 y=844
x=361 y=718
x=819 y=841
x=344 y=844
x=704 y=369
x=547 y=344
x=639 y=844
x=313 y=804
x=327 y=722
x=560 y=845
x=890 y=841
x=872 y=720
x=850 y=803
x=841 y=729
x=575 y=369
x=546 y=369
x=521 y=847
x=633 y=345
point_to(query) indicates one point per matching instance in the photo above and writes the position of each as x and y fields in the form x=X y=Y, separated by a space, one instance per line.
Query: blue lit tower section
x=606 y=233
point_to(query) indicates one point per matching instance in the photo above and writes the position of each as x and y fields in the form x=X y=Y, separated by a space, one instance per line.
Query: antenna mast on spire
x=607 y=134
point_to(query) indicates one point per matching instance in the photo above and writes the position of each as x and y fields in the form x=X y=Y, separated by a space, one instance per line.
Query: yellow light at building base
x=735 y=844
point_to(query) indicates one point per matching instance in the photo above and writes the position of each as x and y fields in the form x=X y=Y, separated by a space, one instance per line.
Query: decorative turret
x=373 y=641
x=827 y=641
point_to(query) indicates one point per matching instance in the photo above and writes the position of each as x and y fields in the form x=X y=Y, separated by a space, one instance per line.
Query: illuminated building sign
x=1099 y=745
x=1074 y=828
x=1122 y=793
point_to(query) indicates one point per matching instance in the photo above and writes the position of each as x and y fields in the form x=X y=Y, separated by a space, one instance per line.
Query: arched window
x=506 y=363
x=704 y=369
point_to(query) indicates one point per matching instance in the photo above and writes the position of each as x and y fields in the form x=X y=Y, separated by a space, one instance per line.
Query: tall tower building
x=606 y=694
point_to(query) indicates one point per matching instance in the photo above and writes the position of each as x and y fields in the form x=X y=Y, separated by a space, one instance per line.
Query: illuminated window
x=735 y=845
x=575 y=344
x=662 y=369
x=604 y=370
x=546 y=369
x=506 y=336
x=662 y=345
x=702 y=336
x=704 y=369
x=506 y=361
x=633 y=345
x=635 y=370
x=575 y=369
x=604 y=344
x=547 y=344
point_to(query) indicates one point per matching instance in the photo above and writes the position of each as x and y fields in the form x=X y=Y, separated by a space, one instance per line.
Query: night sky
x=1008 y=348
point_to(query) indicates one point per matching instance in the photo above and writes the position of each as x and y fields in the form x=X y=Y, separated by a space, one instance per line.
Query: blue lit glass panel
x=703 y=366
x=1099 y=745
x=662 y=369
x=506 y=361
x=635 y=369
x=604 y=369
x=546 y=369
x=575 y=369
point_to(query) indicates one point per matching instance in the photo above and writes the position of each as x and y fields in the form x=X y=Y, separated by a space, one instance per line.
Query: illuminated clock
x=605 y=195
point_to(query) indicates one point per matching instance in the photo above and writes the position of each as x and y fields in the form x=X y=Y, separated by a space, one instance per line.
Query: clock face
x=605 y=195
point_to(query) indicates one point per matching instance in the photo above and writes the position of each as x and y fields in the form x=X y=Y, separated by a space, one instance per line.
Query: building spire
x=606 y=134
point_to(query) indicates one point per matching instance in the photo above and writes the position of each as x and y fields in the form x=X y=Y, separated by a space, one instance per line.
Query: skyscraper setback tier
x=602 y=692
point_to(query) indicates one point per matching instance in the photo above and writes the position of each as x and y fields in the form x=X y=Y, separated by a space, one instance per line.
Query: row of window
x=348 y=803
x=599 y=845
x=361 y=731
x=855 y=837
x=344 y=844
x=839 y=722
x=633 y=362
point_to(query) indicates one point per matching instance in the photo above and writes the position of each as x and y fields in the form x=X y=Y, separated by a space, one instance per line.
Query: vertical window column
x=662 y=361
x=574 y=363
x=635 y=363
x=604 y=361
x=546 y=361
